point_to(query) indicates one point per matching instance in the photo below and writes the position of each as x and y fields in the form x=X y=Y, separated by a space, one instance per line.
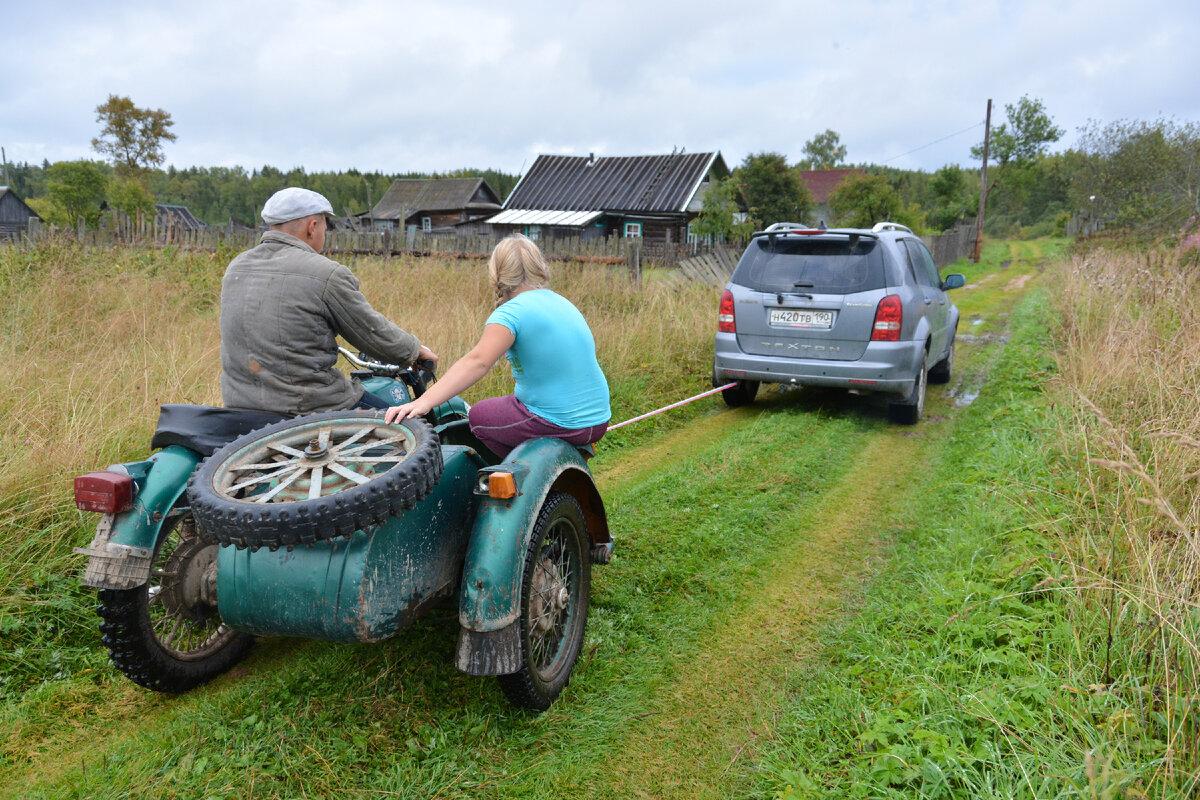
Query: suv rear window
x=835 y=264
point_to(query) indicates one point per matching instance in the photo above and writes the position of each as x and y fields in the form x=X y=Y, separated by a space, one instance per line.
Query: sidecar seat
x=205 y=429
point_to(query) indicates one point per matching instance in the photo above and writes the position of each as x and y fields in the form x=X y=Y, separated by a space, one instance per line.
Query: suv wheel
x=740 y=395
x=942 y=371
x=908 y=411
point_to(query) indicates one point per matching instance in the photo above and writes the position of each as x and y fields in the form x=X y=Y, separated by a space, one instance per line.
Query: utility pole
x=4 y=156
x=983 y=191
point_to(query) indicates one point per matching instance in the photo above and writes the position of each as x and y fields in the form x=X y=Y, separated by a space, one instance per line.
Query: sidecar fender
x=121 y=551
x=490 y=597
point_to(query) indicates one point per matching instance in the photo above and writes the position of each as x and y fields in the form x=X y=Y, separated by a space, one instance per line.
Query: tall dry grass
x=1129 y=371
x=93 y=341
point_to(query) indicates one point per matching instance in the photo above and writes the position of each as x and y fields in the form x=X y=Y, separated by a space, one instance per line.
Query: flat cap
x=293 y=203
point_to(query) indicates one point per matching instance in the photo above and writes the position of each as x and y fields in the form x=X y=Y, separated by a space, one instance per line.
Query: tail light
x=104 y=492
x=889 y=314
x=725 y=322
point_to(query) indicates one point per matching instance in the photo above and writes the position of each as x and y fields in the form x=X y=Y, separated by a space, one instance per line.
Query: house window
x=633 y=229
x=534 y=232
x=426 y=224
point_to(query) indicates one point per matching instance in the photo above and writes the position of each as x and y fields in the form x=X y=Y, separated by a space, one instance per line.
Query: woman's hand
x=417 y=408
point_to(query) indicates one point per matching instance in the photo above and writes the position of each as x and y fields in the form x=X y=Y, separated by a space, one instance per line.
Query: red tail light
x=105 y=492
x=889 y=315
x=725 y=321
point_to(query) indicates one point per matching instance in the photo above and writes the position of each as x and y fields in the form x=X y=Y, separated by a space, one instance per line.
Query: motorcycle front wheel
x=166 y=635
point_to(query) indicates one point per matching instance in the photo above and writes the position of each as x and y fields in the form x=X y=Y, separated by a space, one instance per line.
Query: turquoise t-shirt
x=554 y=359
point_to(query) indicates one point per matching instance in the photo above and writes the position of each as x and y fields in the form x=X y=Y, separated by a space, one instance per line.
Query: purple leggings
x=502 y=423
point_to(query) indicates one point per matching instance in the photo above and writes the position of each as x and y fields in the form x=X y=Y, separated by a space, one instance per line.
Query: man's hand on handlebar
x=426 y=359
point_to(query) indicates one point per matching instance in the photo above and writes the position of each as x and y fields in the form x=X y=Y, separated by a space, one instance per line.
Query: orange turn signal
x=502 y=485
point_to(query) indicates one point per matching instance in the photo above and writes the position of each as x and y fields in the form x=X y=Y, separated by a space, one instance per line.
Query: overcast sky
x=434 y=86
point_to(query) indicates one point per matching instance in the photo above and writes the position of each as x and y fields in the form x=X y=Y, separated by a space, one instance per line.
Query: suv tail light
x=105 y=492
x=889 y=314
x=725 y=321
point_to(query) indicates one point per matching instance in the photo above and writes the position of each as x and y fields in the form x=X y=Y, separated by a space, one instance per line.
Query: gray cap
x=293 y=203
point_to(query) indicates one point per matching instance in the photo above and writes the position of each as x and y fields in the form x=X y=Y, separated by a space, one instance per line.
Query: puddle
x=986 y=338
x=961 y=397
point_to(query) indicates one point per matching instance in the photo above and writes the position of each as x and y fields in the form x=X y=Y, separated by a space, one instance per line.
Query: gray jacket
x=283 y=305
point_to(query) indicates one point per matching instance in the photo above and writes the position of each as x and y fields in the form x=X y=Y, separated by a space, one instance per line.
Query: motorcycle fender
x=490 y=596
x=121 y=551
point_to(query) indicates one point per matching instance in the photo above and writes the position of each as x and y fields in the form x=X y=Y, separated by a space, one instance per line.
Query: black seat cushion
x=205 y=429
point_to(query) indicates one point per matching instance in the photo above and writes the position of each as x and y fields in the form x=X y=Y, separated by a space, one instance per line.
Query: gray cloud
x=399 y=86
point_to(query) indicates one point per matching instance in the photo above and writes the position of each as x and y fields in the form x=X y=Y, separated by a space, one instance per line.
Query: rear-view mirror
x=954 y=281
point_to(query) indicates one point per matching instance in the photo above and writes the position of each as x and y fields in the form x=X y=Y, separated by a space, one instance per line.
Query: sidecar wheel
x=555 y=588
x=166 y=635
x=314 y=478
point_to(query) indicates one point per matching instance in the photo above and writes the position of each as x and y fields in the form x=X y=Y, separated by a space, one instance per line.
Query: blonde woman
x=560 y=390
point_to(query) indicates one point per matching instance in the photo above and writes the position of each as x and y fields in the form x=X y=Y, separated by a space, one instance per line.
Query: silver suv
x=846 y=307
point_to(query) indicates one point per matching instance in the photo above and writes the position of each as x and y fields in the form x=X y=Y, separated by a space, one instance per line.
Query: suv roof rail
x=890 y=226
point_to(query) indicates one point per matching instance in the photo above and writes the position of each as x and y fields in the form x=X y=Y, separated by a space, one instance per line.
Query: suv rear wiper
x=796 y=285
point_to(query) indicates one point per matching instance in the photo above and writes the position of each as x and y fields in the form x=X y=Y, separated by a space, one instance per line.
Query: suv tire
x=942 y=371
x=741 y=395
x=908 y=411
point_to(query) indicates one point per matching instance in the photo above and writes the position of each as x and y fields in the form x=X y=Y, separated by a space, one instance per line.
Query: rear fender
x=121 y=551
x=490 y=596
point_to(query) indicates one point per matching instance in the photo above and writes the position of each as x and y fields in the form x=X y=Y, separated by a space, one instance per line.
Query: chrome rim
x=312 y=461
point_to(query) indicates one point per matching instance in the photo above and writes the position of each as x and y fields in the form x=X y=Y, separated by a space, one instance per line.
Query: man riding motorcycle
x=283 y=305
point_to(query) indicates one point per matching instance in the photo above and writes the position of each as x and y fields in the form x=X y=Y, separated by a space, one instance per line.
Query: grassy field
x=807 y=601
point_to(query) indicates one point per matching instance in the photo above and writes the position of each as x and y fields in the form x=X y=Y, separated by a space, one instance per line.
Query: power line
x=938 y=141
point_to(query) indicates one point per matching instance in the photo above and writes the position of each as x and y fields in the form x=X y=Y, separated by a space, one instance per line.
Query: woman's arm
x=462 y=375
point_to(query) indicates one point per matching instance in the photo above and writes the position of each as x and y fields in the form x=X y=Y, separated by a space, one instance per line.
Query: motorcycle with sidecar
x=340 y=526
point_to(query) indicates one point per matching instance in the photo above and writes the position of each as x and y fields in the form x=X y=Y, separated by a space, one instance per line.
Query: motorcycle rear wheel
x=166 y=635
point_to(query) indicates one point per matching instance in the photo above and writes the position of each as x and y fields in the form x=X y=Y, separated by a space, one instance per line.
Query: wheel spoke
x=352 y=439
x=283 y=484
x=266 y=476
x=348 y=474
x=314 y=489
x=396 y=459
x=344 y=451
x=283 y=448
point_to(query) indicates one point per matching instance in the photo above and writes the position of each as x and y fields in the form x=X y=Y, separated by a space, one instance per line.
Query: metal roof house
x=653 y=197
x=822 y=182
x=14 y=214
x=433 y=205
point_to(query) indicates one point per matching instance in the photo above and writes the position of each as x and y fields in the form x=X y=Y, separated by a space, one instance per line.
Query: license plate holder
x=808 y=318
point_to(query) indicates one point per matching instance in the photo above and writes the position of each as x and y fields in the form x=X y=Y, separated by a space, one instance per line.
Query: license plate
x=800 y=318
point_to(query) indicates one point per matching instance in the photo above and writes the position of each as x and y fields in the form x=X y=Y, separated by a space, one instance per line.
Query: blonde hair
x=516 y=260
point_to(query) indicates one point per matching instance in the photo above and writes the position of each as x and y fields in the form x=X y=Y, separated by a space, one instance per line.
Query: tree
x=1027 y=135
x=130 y=195
x=719 y=216
x=74 y=189
x=824 y=151
x=132 y=137
x=771 y=191
x=860 y=201
x=1142 y=176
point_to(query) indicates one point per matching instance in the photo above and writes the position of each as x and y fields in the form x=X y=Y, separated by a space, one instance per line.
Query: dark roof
x=407 y=196
x=7 y=190
x=822 y=182
x=179 y=216
x=645 y=184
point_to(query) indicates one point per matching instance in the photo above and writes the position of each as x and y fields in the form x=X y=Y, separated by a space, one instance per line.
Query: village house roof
x=179 y=217
x=572 y=190
x=407 y=196
x=822 y=182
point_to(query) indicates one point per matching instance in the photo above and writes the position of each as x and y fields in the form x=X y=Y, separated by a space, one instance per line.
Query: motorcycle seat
x=205 y=429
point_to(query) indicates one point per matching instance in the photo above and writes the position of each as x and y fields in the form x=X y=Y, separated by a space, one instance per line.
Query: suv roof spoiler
x=890 y=226
x=807 y=230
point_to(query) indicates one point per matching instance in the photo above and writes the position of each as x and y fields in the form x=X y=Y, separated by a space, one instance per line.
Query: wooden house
x=14 y=214
x=434 y=205
x=653 y=197
x=820 y=184
x=178 y=218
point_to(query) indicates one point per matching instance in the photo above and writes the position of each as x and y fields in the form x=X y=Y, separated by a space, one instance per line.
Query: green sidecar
x=339 y=526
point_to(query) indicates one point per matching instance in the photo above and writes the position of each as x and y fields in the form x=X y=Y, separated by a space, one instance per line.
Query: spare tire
x=313 y=478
